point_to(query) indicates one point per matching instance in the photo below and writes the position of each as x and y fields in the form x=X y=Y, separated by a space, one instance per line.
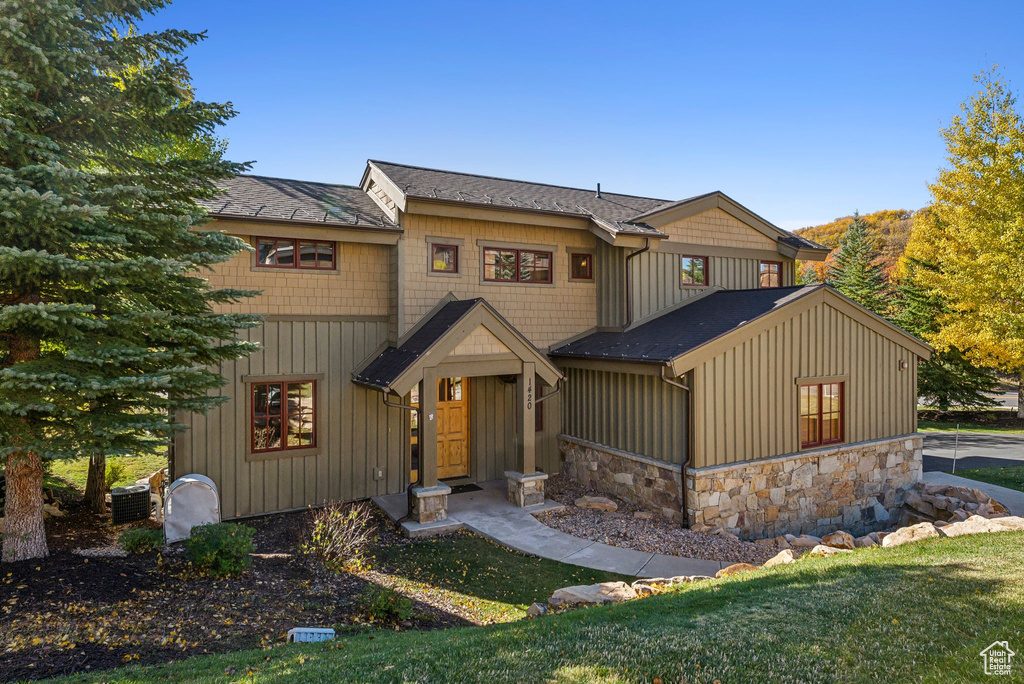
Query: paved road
x=975 y=450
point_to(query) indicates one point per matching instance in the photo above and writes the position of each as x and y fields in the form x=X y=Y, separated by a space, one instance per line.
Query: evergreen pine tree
x=949 y=378
x=856 y=272
x=107 y=328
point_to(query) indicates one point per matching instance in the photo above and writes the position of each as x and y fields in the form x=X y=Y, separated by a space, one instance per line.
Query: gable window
x=502 y=264
x=769 y=274
x=281 y=253
x=695 y=270
x=283 y=415
x=581 y=266
x=821 y=414
x=444 y=258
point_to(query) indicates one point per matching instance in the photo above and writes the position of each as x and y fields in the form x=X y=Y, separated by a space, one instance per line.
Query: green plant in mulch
x=220 y=549
x=339 y=535
x=383 y=604
x=141 y=540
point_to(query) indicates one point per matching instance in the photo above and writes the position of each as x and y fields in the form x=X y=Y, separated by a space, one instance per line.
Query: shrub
x=339 y=535
x=116 y=472
x=141 y=540
x=383 y=604
x=220 y=549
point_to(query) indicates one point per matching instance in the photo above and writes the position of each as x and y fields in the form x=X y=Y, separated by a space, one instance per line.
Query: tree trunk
x=1020 y=394
x=24 y=533
x=96 y=484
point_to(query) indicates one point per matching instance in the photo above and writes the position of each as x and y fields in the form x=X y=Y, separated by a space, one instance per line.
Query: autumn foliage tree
x=107 y=328
x=974 y=233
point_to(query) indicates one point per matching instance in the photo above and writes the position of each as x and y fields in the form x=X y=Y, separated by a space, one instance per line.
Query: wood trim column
x=526 y=396
x=428 y=430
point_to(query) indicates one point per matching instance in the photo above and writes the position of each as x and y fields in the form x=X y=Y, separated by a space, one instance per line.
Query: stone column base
x=525 y=490
x=430 y=504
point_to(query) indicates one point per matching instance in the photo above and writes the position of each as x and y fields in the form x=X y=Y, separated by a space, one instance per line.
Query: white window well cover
x=191 y=500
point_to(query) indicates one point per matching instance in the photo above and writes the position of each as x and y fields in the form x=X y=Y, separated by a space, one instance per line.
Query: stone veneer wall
x=855 y=487
x=641 y=480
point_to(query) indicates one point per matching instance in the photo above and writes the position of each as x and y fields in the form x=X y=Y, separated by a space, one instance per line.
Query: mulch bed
x=68 y=613
x=656 y=535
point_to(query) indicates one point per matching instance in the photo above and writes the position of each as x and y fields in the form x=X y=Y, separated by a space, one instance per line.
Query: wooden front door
x=452 y=427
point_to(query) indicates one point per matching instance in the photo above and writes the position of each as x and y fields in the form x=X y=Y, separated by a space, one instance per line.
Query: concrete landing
x=489 y=514
x=1011 y=498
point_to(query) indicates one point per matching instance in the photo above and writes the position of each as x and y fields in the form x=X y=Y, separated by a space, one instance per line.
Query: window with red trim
x=283 y=415
x=538 y=417
x=444 y=258
x=517 y=265
x=284 y=253
x=582 y=266
x=821 y=414
x=769 y=274
x=695 y=270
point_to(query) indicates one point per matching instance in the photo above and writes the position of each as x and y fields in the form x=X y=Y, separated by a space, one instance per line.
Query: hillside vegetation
x=889 y=228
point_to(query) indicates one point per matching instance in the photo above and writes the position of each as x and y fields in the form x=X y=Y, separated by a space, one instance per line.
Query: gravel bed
x=657 y=535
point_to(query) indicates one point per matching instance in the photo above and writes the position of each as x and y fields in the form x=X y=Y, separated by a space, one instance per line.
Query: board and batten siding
x=492 y=430
x=657 y=281
x=358 y=434
x=746 y=398
x=640 y=414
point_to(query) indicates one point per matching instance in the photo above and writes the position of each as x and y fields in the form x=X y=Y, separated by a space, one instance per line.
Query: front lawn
x=921 y=612
x=485 y=581
x=951 y=426
x=1011 y=476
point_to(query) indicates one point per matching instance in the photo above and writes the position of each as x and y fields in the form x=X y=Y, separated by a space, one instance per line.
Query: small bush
x=382 y=604
x=141 y=540
x=339 y=535
x=116 y=472
x=221 y=549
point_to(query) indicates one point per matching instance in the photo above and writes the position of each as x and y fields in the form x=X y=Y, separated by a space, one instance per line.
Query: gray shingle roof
x=611 y=210
x=280 y=199
x=673 y=334
x=393 y=361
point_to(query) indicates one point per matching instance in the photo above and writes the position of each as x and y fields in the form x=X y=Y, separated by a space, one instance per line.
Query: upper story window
x=503 y=264
x=769 y=274
x=695 y=270
x=444 y=258
x=821 y=414
x=283 y=253
x=283 y=415
x=581 y=266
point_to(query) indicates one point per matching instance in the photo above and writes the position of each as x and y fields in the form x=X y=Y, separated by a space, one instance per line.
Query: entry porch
x=472 y=385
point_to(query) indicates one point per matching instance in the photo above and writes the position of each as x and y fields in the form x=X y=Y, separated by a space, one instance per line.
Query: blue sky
x=801 y=111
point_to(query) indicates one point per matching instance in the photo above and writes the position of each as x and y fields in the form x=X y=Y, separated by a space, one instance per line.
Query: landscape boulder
x=822 y=550
x=536 y=609
x=838 y=540
x=735 y=568
x=941 y=502
x=597 y=503
x=977 y=524
x=864 y=542
x=805 y=541
x=784 y=557
x=604 y=592
x=914 y=533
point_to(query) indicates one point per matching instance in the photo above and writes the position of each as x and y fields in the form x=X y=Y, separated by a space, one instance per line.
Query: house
x=426 y=329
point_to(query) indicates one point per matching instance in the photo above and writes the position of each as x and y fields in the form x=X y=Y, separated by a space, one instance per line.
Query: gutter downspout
x=419 y=422
x=629 y=286
x=689 y=439
x=558 y=388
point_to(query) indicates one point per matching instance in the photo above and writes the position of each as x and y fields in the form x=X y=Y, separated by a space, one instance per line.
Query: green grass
x=947 y=426
x=71 y=473
x=921 y=612
x=1010 y=476
x=486 y=580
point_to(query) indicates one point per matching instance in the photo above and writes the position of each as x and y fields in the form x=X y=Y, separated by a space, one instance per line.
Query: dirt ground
x=68 y=613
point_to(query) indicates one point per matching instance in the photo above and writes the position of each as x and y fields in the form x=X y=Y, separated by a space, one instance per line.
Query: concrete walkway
x=489 y=514
x=1011 y=498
